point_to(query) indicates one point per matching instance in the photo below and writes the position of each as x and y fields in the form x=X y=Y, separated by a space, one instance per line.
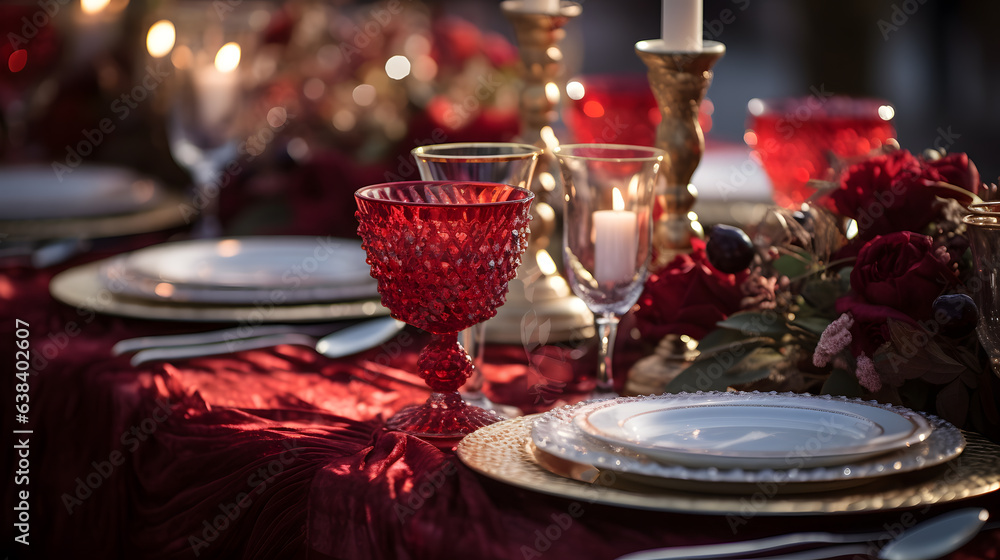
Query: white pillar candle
x=216 y=93
x=682 y=25
x=217 y=85
x=541 y=6
x=615 y=244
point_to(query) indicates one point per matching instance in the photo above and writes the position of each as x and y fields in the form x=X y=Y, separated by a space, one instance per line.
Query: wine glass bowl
x=492 y=162
x=983 y=230
x=607 y=232
x=443 y=253
x=800 y=139
x=212 y=58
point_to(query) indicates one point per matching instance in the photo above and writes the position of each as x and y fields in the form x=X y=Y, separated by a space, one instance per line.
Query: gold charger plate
x=168 y=213
x=501 y=451
x=81 y=287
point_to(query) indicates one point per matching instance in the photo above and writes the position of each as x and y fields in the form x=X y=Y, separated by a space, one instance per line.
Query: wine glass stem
x=607 y=330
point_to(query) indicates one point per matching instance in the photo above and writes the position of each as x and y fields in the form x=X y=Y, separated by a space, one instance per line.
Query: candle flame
x=160 y=38
x=546 y=265
x=618 y=202
x=228 y=57
x=93 y=6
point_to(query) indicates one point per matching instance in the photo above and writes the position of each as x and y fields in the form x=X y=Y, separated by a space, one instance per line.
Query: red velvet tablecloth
x=281 y=453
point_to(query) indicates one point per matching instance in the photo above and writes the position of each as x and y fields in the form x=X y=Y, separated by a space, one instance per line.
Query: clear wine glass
x=607 y=233
x=493 y=162
x=983 y=230
x=210 y=78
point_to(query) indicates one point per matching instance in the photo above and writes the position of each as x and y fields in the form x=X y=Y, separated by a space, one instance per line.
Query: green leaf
x=914 y=343
x=723 y=370
x=707 y=374
x=845 y=279
x=761 y=358
x=823 y=294
x=756 y=323
x=720 y=337
x=748 y=343
x=842 y=382
x=793 y=265
x=815 y=325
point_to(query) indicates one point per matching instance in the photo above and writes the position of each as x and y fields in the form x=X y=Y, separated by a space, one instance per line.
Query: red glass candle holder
x=798 y=139
x=443 y=253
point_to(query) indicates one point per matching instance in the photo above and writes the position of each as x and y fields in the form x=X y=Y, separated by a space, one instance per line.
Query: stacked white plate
x=279 y=270
x=31 y=192
x=725 y=441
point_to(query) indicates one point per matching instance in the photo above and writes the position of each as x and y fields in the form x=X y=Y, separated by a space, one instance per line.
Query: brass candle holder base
x=540 y=306
x=679 y=81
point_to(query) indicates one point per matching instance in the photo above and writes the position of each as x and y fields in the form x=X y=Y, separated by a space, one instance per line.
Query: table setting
x=372 y=280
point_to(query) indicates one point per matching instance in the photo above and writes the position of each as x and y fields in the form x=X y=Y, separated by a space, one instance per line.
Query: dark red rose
x=886 y=194
x=955 y=169
x=898 y=191
x=688 y=296
x=896 y=276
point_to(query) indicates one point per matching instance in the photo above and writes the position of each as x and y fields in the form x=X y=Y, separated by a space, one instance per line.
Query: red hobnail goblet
x=443 y=253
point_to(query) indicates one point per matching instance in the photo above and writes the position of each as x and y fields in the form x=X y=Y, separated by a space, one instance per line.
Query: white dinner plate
x=35 y=192
x=753 y=431
x=81 y=287
x=556 y=432
x=280 y=270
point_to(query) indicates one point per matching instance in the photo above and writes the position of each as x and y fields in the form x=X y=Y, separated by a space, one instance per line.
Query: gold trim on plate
x=501 y=452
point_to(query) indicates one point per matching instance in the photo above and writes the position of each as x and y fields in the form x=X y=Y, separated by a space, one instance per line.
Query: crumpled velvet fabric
x=281 y=453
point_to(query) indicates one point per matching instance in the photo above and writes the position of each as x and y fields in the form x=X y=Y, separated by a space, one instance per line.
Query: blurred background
x=327 y=112
x=936 y=61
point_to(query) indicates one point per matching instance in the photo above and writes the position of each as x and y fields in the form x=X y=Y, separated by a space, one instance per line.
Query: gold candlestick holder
x=679 y=81
x=540 y=306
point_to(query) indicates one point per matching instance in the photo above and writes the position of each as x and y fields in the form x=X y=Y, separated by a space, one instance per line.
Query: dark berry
x=805 y=219
x=956 y=313
x=729 y=249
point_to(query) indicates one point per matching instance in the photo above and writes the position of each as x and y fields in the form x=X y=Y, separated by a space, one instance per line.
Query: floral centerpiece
x=864 y=291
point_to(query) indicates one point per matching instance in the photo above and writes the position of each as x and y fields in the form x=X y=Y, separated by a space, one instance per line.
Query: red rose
x=886 y=194
x=895 y=191
x=688 y=296
x=955 y=169
x=896 y=276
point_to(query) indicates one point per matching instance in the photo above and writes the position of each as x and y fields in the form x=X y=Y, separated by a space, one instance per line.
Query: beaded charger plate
x=502 y=451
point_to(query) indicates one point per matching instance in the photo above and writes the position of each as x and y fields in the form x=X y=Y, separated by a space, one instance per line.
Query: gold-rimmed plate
x=81 y=287
x=501 y=452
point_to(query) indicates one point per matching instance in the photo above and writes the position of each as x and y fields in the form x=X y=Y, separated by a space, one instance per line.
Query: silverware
x=343 y=342
x=927 y=540
x=43 y=254
x=225 y=335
